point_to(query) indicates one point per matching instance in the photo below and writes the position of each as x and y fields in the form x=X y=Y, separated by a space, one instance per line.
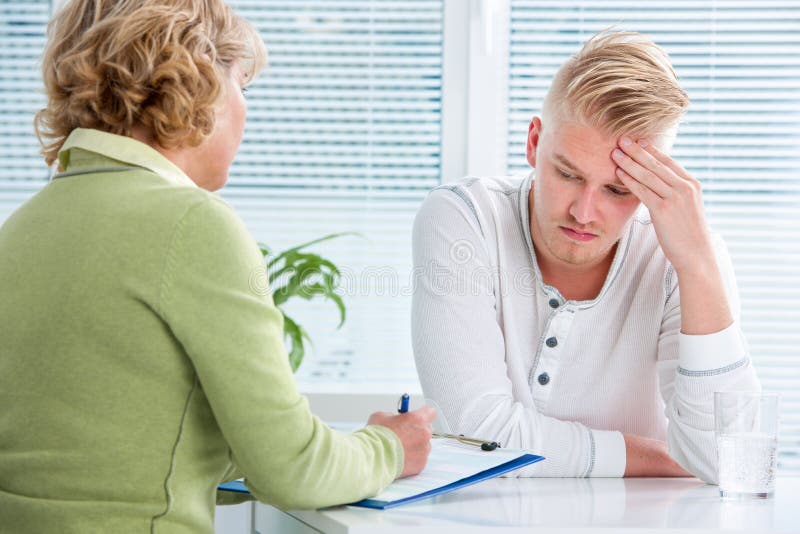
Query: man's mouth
x=576 y=235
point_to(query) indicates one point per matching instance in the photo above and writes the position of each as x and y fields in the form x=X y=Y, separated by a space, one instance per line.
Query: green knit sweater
x=142 y=361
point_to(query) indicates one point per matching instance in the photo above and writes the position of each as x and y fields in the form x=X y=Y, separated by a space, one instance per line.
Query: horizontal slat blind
x=343 y=135
x=22 y=36
x=740 y=63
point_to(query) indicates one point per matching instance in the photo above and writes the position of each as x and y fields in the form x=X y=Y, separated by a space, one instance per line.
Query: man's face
x=579 y=207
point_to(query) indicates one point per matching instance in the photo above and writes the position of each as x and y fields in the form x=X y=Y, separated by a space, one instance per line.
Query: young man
x=553 y=314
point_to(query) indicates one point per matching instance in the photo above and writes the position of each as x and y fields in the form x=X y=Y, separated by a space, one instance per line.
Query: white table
x=561 y=505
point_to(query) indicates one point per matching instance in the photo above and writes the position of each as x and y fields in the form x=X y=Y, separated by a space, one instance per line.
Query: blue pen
x=402 y=406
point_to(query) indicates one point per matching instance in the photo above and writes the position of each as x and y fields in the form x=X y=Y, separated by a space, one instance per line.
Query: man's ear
x=534 y=134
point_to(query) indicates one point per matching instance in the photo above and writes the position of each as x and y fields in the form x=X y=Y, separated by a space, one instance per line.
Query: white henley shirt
x=506 y=357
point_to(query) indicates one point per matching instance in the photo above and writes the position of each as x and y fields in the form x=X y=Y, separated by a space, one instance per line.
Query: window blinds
x=22 y=37
x=343 y=135
x=740 y=63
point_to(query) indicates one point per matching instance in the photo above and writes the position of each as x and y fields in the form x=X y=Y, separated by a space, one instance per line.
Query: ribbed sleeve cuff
x=609 y=454
x=711 y=351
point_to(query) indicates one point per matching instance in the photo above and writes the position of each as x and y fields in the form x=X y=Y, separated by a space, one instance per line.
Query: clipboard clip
x=482 y=443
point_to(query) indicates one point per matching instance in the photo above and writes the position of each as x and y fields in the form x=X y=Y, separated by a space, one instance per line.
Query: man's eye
x=618 y=192
x=568 y=176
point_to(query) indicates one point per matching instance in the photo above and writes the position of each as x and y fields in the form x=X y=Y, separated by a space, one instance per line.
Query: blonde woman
x=139 y=365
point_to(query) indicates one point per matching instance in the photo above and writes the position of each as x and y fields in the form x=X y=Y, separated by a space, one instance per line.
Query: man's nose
x=583 y=208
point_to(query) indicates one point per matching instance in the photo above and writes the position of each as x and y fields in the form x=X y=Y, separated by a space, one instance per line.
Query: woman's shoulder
x=173 y=203
x=169 y=215
x=199 y=211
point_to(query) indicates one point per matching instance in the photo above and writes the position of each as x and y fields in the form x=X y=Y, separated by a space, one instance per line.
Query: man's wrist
x=650 y=458
x=702 y=267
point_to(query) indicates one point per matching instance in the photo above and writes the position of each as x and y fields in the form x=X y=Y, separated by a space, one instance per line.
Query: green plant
x=295 y=273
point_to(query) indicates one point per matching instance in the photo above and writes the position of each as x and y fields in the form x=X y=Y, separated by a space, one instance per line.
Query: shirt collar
x=87 y=148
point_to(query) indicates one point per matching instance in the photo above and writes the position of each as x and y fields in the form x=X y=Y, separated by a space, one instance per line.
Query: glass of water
x=746 y=428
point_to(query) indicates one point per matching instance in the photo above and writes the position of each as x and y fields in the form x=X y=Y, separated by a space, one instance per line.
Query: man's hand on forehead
x=673 y=196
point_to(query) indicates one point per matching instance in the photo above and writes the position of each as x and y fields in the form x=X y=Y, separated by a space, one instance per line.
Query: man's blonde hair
x=622 y=83
x=114 y=65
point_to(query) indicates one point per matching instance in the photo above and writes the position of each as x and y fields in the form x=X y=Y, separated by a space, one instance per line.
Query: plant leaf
x=265 y=250
x=308 y=244
x=300 y=284
x=339 y=304
x=293 y=273
x=297 y=336
x=296 y=257
x=319 y=289
x=296 y=261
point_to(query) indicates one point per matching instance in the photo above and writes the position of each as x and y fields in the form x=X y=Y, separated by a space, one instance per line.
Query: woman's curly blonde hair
x=114 y=65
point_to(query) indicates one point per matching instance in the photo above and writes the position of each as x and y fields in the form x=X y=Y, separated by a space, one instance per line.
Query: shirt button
x=551 y=342
x=543 y=379
x=554 y=303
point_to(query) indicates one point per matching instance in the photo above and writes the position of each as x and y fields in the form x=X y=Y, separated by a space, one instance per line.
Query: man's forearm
x=704 y=303
x=649 y=458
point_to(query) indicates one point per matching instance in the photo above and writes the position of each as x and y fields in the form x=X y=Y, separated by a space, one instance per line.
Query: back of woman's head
x=116 y=65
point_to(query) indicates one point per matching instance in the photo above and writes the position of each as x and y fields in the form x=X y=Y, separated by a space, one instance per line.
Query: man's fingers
x=643 y=176
x=645 y=194
x=668 y=161
x=638 y=153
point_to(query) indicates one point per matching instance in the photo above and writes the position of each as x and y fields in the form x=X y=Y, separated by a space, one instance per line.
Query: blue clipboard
x=522 y=461
x=236 y=486
x=526 y=459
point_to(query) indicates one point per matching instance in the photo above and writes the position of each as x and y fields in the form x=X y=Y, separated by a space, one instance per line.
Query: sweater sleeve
x=215 y=299
x=692 y=367
x=459 y=349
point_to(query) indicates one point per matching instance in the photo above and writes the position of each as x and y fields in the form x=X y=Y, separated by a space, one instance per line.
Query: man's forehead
x=571 y=166
x=562 y=130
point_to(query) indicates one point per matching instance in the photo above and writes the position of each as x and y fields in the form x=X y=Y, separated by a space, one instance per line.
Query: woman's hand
x=414 y=430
